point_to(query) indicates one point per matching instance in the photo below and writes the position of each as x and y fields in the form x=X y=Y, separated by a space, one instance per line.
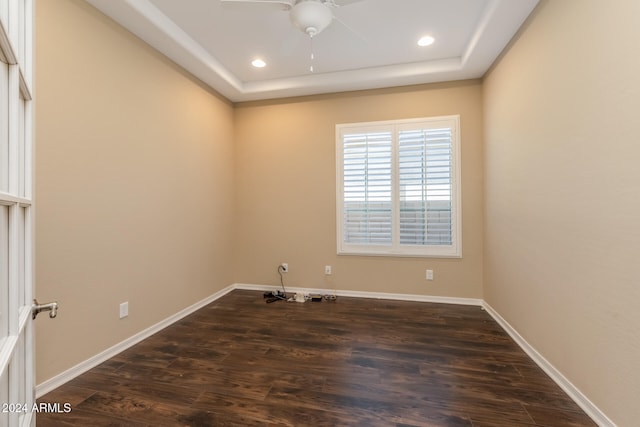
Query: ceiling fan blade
x=340 y=3
x=285 y=4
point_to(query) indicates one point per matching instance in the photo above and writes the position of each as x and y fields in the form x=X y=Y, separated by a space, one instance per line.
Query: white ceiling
x=372 y=44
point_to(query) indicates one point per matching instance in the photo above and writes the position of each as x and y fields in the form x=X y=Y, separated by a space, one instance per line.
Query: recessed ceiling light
x=258 y=63
x=426 y=41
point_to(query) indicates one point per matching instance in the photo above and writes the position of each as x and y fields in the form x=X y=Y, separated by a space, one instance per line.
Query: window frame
x=395 y=249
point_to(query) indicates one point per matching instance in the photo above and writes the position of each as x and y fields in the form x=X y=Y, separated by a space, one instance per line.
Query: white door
x=16 y=214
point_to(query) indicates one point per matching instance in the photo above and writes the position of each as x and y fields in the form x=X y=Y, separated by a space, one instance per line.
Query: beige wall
x=286 y=183
x=134 y=185
x=562 y=195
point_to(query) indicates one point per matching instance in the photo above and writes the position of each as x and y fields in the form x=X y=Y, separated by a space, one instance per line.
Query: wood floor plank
x=351 y=362
x=79 y=417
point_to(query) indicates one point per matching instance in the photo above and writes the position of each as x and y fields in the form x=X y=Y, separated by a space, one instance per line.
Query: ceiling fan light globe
x=311 y=16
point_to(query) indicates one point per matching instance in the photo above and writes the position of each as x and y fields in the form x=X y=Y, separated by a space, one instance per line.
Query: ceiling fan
x=310 y=16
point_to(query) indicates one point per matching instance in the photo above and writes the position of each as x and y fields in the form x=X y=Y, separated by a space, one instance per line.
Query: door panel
x=4 y=397
x=4 y=271
x=4 y=127
x=16 y=225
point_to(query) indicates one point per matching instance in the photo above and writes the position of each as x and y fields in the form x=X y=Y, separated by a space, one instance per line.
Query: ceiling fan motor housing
x=311 y=16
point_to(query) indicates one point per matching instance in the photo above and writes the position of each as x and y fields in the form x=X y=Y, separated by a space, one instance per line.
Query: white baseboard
x=572 y=391
x=66 y=376
x=363 y=294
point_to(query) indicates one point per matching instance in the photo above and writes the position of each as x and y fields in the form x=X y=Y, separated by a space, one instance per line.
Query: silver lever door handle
x=51 y=307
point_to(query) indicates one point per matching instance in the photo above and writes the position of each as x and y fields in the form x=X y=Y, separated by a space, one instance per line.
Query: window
x=398 y=187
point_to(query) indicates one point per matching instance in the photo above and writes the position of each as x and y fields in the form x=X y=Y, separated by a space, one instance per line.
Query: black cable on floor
x=279 y=296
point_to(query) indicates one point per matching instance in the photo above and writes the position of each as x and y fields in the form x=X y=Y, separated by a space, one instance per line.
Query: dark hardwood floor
x=351 y=362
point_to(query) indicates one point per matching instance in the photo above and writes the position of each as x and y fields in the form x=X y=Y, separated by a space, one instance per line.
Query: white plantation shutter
x=424 y=164
x=399 y=188
x=367 y=188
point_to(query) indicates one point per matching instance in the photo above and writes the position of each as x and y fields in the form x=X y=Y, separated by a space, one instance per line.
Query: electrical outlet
x=124 y=309
x=284 y=267
x=429 y=275
x=327 y=270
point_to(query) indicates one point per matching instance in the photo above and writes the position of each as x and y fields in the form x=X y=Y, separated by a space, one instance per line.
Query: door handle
x=51 y=307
